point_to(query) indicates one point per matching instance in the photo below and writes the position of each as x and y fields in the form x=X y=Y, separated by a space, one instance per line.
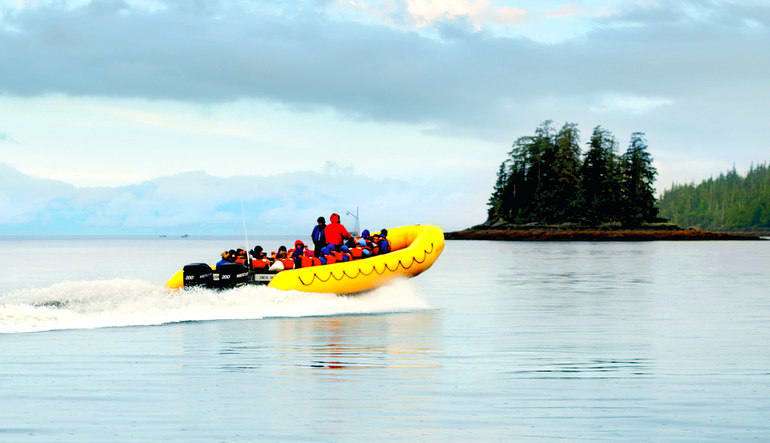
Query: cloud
x=564 y=11
x=5 y=137
x=691 y=74
x=629 y=103
x=478 y=12
x=301 y=58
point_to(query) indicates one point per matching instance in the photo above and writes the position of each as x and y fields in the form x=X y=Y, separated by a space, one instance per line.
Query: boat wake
x=109 y=303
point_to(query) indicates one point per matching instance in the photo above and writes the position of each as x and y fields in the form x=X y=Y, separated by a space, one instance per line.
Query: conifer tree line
x=728 y=201
x=546 y=178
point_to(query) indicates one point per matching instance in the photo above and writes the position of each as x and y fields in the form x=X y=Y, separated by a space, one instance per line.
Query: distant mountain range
x=199 y=204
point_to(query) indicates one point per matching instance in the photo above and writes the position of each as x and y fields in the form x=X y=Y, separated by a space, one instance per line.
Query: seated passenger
x=299 y=249
x=259 y=259
x=226 y=258
x=283 y=257
x=327 y=255
x=365 y=249
x=298 y=253
x=370 y=240
x=277 y=266
x=383 y=244
x=258 y=252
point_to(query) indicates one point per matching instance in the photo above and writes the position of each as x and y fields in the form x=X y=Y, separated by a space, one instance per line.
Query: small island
x=547 y=189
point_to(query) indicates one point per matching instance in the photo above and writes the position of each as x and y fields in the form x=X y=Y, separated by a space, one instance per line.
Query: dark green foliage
x=545 y=180
x=601 y=174
x=496 y=199
x=565 y=203
x=638 y=176
x=729 y=201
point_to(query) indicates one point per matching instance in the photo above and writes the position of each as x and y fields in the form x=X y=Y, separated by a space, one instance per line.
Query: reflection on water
x=397 y=341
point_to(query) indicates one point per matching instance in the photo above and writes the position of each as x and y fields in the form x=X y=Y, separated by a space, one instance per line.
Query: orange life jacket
x=287 y=263
x=260 y=263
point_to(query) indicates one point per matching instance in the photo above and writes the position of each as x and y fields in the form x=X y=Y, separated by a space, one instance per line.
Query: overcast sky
x=117 y=92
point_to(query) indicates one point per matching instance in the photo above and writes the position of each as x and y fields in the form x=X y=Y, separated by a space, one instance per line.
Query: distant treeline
x=548 y=179
x=728 y=201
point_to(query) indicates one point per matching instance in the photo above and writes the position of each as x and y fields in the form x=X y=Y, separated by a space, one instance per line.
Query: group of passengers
x=331 y=244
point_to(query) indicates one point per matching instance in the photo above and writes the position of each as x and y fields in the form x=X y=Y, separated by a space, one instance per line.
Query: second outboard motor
x=230 y=275
x=198 y=275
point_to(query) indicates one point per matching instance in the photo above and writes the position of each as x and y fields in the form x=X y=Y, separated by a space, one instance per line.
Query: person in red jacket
x=335 y=233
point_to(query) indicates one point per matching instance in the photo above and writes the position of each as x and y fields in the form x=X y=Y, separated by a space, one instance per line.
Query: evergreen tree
x=567 y=170
x=638 y=177
x=544 y=180
x=544 y=174
x=728 y=201
x=523 y=179
x=601 y=179
x=495 y=202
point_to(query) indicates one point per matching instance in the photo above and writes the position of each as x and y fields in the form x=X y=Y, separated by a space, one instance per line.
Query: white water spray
x=106 y=303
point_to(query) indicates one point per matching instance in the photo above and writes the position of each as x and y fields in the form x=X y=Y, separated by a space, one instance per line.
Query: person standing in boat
x=336 y=233
x=319 y=238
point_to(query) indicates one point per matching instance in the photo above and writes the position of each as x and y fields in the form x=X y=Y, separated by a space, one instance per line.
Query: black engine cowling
x=197 y=275
x=229 y=275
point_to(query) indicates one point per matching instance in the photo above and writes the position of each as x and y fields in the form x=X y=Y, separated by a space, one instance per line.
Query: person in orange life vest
x=341 y=255
x=358 y=248
x=283 y=257
x=368 y=239
x=259 y=259
x=353 y=249
x=258 y=253
x=298 y=253
x=335 y=232
x=240 y=256
x=366 y=251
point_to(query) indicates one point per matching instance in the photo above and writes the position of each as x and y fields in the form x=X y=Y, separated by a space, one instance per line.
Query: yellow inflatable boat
x=413 y=250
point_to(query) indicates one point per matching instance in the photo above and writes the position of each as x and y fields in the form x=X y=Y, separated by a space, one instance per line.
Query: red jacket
x=335 y=232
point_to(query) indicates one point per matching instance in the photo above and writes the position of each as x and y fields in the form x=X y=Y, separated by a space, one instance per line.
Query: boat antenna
x=358 y=225
x=245 y=236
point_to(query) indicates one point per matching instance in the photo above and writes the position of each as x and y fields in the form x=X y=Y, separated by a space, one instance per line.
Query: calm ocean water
x=497 y=342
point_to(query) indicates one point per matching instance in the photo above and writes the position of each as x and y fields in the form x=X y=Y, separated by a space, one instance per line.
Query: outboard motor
x=230 y=275
x=198 y=275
